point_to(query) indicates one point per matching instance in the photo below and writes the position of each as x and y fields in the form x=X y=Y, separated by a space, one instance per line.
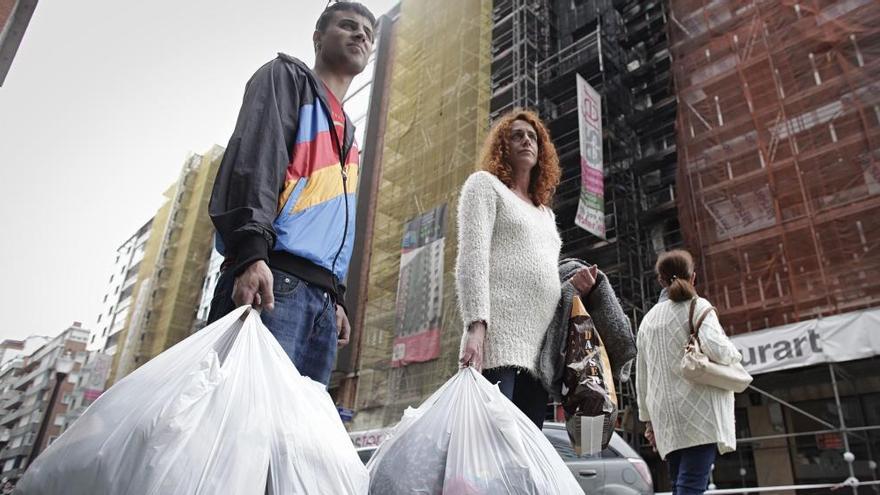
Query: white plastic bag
x=223 y=412
x=468 y=439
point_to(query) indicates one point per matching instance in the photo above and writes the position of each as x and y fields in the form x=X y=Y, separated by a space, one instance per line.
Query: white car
x=617 y=470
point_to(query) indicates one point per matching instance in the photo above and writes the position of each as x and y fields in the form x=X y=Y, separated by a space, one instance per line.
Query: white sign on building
x=833 y=339
x=591 y=205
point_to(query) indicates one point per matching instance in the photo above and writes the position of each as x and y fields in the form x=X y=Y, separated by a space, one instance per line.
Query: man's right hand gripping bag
x=224 y=411
x=468 y=439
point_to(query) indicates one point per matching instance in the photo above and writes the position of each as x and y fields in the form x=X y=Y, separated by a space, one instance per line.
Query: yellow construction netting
x=438 y=115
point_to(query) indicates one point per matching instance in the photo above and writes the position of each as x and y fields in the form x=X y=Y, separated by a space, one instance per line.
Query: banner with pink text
x=591 y=206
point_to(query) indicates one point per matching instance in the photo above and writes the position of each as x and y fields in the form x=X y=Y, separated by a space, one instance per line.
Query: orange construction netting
x=779 y=155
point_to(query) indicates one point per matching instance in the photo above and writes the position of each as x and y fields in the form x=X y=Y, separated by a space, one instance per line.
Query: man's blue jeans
x=303 y=321
x=689 y=469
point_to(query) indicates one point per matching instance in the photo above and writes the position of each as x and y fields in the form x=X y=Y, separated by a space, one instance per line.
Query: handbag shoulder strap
x=695 y=328
x=703 y=316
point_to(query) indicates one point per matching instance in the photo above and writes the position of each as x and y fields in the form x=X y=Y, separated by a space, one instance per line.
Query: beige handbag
x=698 y=368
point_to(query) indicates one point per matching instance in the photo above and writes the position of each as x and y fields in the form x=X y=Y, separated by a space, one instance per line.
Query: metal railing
x=849 y=482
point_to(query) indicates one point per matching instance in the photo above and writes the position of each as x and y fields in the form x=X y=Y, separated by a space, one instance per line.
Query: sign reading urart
x=832 y=339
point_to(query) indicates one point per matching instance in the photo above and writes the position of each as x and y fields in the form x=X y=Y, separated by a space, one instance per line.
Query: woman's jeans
x=303 y=321
x=523 y=389
x=689 y=469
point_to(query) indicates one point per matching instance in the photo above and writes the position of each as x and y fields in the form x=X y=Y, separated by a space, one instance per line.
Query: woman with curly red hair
x=507 y=277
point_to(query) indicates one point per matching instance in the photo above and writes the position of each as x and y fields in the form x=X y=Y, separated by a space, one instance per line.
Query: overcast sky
x=103 y=103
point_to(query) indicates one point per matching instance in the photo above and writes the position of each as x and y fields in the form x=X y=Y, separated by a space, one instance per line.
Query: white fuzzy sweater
x=683 y=414
x=507 y=270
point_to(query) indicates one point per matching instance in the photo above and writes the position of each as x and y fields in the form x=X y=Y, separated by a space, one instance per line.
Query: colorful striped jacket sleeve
x=245 y=197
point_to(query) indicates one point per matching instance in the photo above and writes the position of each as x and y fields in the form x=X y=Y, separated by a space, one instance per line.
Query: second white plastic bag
x=223 y=411
x=468 y=439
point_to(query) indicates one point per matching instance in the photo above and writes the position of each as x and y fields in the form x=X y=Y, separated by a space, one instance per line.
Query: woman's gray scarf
x=611 y=322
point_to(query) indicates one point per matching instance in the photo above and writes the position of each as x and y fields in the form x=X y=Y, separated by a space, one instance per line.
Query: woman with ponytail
x=687 y=423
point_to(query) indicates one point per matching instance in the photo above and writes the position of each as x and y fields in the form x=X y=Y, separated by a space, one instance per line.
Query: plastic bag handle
x=247 y=312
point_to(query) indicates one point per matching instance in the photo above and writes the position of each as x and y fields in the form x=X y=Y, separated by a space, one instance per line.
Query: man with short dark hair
x=283 y=202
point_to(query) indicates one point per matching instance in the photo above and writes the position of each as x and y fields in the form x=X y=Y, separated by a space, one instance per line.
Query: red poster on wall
x=420 y=289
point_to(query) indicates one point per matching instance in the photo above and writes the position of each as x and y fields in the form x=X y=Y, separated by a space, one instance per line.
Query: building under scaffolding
x=779 y=160
x=780 y=146
x=165 y=298
x=436 y=121
x=649 y=78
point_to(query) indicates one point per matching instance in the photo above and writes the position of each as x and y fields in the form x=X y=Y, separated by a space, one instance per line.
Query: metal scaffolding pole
x=848 y=455
x=792 y=407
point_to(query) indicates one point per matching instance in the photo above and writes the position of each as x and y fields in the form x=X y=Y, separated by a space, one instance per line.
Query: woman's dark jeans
x=523 y=389
x=689 y=469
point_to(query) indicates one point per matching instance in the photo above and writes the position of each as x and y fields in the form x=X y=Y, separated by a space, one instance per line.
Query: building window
x=111 y=279
x=105 y=297
x=99 y=317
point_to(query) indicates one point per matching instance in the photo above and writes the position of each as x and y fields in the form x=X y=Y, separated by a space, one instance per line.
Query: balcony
x=31 y=427
x=11 y=398
x=10 y=370
x=9 y=453
x=15 y=415
x=35 y=373
x=14 y=474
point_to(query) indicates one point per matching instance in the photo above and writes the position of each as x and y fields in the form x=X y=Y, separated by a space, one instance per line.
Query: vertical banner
x=420 y=289
x=591 y=206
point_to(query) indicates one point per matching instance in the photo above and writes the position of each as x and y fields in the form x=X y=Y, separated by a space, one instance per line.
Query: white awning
x=834 y=339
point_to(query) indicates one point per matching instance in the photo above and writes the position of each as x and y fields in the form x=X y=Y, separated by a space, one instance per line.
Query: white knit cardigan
x=683 y=414
x=507 y=271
